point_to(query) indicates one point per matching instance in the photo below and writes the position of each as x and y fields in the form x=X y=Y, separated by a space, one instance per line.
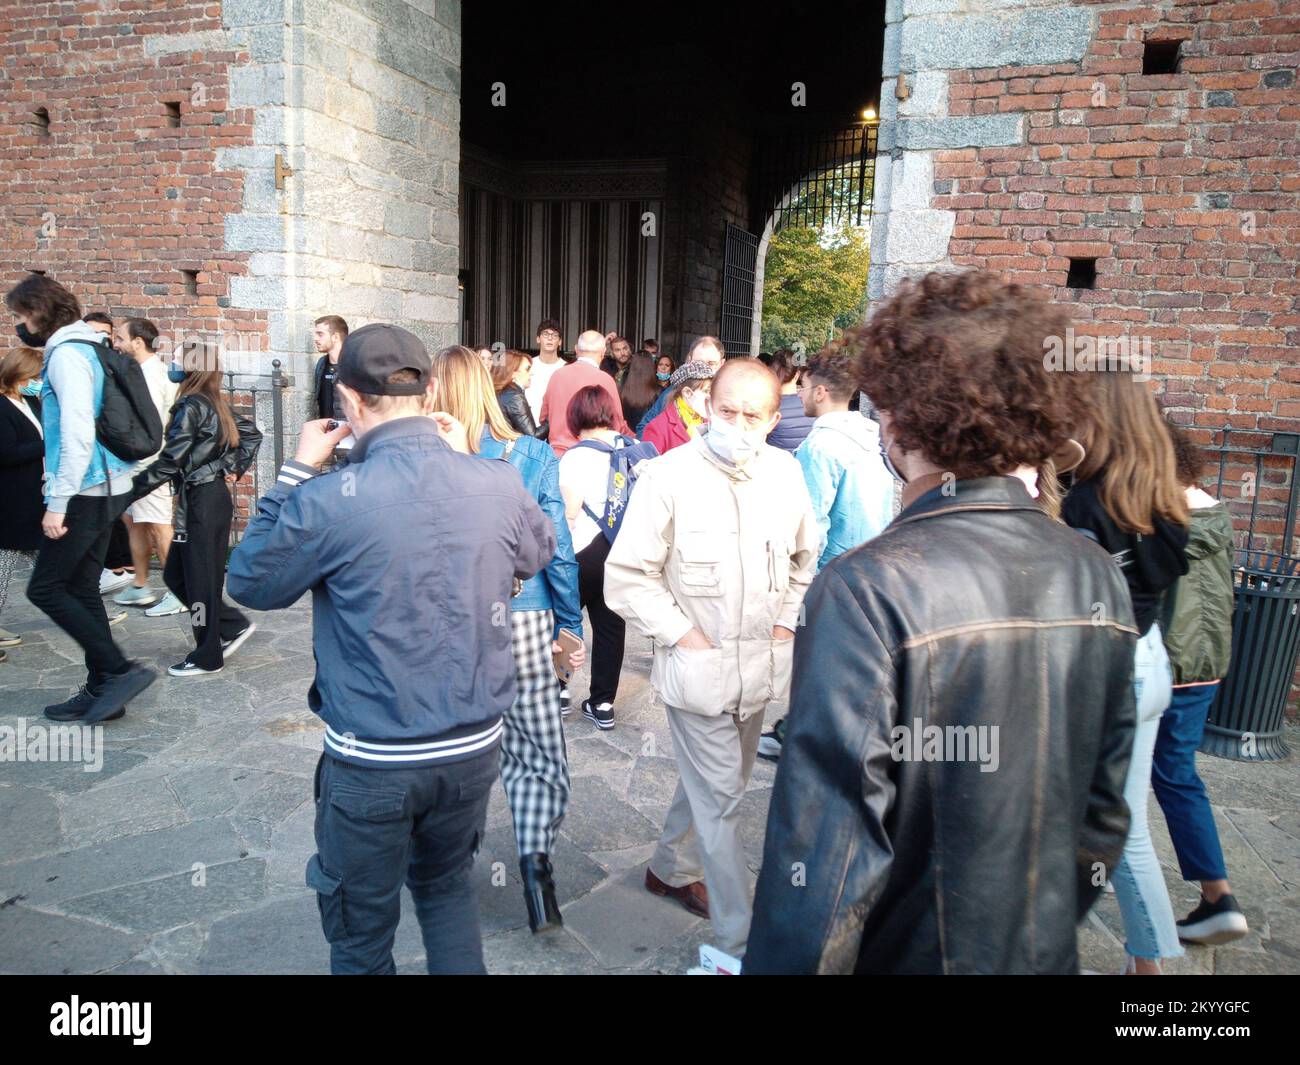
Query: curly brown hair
x=957 y=361
x=1189 y=459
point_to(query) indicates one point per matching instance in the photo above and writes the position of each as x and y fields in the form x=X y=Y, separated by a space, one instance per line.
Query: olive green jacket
x=1198 y=615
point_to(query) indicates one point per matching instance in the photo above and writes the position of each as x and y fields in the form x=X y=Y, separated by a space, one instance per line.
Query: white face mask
x=733 y=444
x=698 y=402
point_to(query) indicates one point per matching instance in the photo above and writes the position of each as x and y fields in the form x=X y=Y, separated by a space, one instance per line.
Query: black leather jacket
x=972 y=609
x=194 y=453
x=514 y=405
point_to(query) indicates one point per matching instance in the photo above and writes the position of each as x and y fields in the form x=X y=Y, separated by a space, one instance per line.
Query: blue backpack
x=623 y=462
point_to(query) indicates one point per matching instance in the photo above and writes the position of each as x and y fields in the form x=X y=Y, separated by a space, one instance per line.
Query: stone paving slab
x=98 y=869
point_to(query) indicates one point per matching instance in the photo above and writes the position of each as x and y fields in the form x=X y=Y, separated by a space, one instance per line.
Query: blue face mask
x=663 y=376
x=32 y=387
x=175 y=374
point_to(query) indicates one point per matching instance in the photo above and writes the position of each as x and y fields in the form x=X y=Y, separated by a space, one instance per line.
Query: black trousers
x=608 y=629
x=196 y=571
x=118 y=555
x=379 y=828
x=65 y=582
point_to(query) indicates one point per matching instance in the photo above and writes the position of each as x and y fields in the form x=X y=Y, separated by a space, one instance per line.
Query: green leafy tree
x=814 y=284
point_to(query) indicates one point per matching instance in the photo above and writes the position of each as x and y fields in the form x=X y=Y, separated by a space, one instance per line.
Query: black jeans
x=196 y=570
x=608 y=629
x=376 y=828
x=65 y=582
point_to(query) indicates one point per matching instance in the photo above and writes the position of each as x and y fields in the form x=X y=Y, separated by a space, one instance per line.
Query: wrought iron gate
x=739 y=263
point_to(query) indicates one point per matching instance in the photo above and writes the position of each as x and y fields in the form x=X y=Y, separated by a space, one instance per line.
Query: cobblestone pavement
x=185 y=852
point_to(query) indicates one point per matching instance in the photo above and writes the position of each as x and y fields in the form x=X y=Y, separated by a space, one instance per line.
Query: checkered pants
x=534 y=764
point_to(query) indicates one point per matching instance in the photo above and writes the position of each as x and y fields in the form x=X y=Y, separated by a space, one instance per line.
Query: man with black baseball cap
x=409 y=552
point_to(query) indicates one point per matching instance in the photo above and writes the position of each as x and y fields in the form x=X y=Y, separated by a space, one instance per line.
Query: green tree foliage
x=814 y=284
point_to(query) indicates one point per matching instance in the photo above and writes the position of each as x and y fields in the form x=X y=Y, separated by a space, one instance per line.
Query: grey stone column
x=361 y=100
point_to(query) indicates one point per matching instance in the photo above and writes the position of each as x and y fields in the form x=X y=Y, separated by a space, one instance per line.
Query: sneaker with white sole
x=230 y=646
x=165 y=607
x=189 y=669
x=601 y=716
x=566 y=702
x=9 y=639
x=111 y=582
x=1213 y=923
x=134 y=596
x=117 y=617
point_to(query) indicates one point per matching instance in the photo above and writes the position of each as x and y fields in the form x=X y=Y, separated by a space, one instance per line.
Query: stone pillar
x=360 y=99
x=924 y=41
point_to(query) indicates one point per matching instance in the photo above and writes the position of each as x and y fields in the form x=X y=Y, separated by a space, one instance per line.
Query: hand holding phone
x=571 y=648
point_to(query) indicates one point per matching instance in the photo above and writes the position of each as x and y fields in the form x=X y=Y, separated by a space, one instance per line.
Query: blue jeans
x=1179 y=789
x=1149 y=928
x=376 y=828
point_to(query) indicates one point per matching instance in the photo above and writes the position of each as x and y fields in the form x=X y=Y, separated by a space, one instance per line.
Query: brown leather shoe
x=695 y=897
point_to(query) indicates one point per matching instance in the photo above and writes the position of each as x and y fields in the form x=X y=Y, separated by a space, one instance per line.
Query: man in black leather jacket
x=950 y=792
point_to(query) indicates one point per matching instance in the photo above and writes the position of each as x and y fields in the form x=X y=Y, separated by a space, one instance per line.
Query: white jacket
x=729 y=551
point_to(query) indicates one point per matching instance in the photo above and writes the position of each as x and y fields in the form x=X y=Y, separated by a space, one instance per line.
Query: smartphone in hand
x=569 y=642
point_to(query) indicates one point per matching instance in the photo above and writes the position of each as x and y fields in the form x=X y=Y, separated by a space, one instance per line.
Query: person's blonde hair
x=465 y=392
x=1128 y=451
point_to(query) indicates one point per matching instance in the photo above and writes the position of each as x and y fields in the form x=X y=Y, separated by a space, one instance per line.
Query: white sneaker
x=189 y=669
x=111 y=582
x=165 y=607
x=118 y=618
x=9 y=639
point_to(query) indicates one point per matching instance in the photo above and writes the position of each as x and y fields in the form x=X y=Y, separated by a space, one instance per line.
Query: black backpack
x=128 y=424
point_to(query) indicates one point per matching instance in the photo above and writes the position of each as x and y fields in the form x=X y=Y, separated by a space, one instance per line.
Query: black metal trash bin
x=1245 y=721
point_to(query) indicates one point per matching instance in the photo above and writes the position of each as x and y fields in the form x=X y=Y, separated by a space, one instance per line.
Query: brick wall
x=112 y=199
x=1183 y=187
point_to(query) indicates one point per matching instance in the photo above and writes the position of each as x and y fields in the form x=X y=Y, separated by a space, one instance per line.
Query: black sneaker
x=117 y=691
x=230 y=646
x=1213 y=923
x=189 y=669
x=601 y=716
x=566 y=702
x=71 y=709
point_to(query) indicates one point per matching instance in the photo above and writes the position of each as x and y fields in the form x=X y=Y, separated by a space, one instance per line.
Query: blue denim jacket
x=555 y=588
x=852 y=493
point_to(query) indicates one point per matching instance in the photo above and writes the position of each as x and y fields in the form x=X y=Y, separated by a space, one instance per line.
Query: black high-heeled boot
x=539 y=893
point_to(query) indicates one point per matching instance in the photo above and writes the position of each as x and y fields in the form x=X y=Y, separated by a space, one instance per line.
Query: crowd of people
x=994 y=598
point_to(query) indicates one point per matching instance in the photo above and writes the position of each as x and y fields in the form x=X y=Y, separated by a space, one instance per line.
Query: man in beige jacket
x=716 y=549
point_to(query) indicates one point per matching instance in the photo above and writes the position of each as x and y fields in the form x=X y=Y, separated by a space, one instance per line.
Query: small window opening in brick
x=1161 y=57
x=173 y=113
x=1082 y=274
x=41 y=120
x=190 y=278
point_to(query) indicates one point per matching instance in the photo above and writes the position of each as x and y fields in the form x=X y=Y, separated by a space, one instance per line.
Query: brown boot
x=695 y=897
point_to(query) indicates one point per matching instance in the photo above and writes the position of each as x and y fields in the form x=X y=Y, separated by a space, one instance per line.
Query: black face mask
x=30 y=339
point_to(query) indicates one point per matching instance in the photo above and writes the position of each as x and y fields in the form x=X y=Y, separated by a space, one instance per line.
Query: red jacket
x=562 y=387
x=666 y=429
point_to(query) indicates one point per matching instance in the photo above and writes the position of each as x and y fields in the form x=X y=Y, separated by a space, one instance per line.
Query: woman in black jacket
x=1127 y=498
x=511 y=371
x=22 y=466
x=206 y=443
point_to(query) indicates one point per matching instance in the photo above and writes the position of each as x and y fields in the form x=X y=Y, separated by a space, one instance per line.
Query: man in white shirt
x=149 y=520
x=545 y=366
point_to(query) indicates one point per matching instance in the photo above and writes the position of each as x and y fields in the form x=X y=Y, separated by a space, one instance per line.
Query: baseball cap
x=373 y=352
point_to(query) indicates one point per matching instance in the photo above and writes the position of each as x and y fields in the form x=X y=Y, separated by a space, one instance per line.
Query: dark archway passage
x=603 y=157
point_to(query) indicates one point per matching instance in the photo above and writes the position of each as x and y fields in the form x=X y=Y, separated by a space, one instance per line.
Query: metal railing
x=264 y=403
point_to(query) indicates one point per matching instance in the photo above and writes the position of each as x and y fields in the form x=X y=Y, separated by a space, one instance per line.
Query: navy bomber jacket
x=409 y=552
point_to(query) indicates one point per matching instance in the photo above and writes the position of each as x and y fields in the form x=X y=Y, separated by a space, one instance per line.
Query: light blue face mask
x=32 y=387
x=663 y=376
x=176 y=374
